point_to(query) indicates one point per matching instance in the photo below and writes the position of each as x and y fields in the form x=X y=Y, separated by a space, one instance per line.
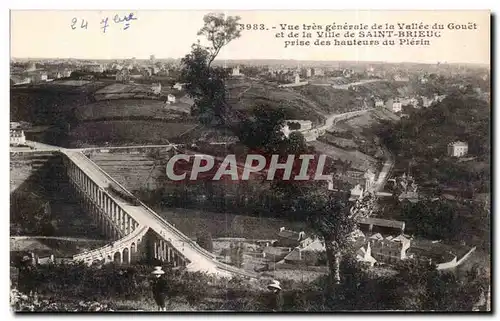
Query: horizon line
x=277 y=59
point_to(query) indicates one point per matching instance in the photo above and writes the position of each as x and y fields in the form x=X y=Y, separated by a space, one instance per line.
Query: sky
x=170 y=34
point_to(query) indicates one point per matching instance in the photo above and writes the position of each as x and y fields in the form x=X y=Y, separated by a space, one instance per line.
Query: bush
x=82 y=288
x=23 y=303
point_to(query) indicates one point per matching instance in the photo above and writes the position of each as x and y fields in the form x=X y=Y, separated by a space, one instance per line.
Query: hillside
x=125 y=132
x=330 y=100
x=131 y=108
x=311 y=102
x=247 y=94
x=420 y=143
x=47 y=105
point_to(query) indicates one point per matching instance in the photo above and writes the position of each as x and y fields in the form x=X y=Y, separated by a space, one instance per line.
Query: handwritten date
x=122 y=20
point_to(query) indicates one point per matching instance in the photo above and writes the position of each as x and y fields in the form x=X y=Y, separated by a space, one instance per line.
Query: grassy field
x=59 y=248
x=330 y=100
x=359 y=160
x=123 y=132
x=76 y=83
x=190 y=222
x=369 y=119
x=147 y=108
x=382 y=89
x=250 y=94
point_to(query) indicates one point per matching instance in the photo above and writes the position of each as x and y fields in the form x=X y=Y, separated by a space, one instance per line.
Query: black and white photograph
x=250 y=161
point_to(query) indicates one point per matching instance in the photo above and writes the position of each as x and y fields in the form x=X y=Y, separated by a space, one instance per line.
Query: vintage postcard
x=263 y=161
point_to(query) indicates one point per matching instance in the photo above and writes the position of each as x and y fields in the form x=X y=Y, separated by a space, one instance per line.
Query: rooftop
x=288 y=234
x=381 y=222
x=458 y=143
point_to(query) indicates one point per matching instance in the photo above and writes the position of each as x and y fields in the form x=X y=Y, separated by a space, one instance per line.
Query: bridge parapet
x=108 y=252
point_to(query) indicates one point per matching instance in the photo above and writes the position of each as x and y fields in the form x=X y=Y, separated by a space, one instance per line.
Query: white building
x=236 y=71
x=395 y=105
x=379 y=103
x=170 y=99
x=356 y=192
x=308 y=72
x=304 y=126
x=17 y=138
x=15 y=125
x=156 y=88
x=178 y=86
x=409 y=101
x=369 y=180
x=297 y=79
x=43 y=77
x=426 y=102
x=458 y=149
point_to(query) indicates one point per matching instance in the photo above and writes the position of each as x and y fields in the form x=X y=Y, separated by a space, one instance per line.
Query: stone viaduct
x=136 y=231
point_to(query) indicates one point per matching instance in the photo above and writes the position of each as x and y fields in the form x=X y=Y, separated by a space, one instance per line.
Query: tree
x=219 y=31
x=236 y=254
x=204 y=240
x=262 y=131
x=329 y=215
x=204 y=83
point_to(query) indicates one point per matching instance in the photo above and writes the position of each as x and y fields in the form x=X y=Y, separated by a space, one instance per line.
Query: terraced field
x=133 y=171
x=125 y=132
x=251 y=94
x=190 y=222
x=131 y=108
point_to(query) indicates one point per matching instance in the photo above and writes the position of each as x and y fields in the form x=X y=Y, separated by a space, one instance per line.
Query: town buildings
x=318 y=72
x=20 y=80
x=308 y=252
x=377 y=225
x=371 y=249
x=458 y=149
x=17 y=137
x=379 y=102
x=288 y=238
x=394 y=104
x=296 y=125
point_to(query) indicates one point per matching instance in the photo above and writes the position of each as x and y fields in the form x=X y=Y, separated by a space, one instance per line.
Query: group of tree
x=416 y=286
x=420 y=142
x=452 y=221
